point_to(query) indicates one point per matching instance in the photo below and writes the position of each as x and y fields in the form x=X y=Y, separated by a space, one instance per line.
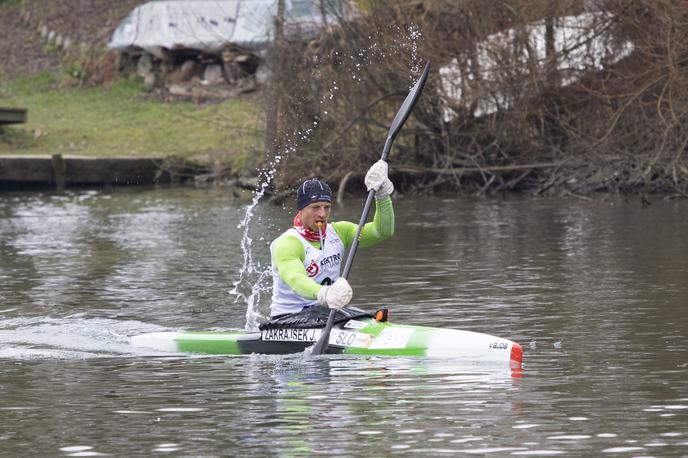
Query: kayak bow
x=355 y=337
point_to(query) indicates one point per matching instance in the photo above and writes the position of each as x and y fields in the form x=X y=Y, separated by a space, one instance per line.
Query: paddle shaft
x=321 y=345
x=323 y=342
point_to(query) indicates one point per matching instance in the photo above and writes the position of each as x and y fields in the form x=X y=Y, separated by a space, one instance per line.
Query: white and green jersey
x=322 y=266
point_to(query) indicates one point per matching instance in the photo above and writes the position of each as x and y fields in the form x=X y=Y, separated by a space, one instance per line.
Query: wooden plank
x=62 y=171
x=12 y=115
x=112 y=171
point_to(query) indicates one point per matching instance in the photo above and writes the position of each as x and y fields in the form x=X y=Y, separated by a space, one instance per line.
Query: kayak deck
x=357 y=337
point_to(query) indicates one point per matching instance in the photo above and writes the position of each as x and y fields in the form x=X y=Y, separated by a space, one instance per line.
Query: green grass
x=122 y=121
x=10 y=3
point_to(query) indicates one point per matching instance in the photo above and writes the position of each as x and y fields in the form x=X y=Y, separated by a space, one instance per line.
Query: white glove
x=377 y=179
x=337 y=295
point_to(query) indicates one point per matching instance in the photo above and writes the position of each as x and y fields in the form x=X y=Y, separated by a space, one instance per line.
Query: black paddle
x=321 y=345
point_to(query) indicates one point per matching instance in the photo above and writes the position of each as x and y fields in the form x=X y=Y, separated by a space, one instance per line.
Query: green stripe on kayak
x=193 y=342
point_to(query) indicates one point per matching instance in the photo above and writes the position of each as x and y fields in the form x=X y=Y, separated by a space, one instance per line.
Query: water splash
x=412 y=38
x=253 y=276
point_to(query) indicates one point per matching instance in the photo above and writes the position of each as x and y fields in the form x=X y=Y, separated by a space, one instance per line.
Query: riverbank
x=122 y=126
x=114 y=118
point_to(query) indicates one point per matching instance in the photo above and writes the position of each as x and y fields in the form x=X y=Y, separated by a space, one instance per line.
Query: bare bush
x=340 y=93
x=563 y=96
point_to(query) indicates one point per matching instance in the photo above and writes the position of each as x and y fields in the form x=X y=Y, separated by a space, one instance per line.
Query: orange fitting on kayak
x=382 y=315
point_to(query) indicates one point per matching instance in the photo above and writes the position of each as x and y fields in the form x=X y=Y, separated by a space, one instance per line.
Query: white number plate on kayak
x=392 y=338
x=343 y=338
x=355 y=324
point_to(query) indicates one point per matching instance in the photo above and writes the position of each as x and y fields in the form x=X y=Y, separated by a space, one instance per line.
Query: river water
x=595 y=292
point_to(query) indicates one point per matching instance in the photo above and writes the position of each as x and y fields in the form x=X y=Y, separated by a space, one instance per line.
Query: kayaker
x=307 y=258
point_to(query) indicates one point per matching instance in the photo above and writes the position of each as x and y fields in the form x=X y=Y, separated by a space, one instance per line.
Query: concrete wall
x=59 y=171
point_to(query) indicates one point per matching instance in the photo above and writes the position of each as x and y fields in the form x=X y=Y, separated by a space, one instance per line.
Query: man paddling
x=306 y=259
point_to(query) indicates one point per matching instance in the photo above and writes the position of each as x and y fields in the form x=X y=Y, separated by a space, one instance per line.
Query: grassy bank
x=123 y=121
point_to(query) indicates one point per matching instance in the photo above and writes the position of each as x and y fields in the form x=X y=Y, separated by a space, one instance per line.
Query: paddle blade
x=406 y=108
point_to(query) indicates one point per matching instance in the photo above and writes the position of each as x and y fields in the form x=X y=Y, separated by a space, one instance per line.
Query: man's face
x=314 y=213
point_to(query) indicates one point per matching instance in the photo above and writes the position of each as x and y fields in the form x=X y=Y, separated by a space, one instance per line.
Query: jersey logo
x=313 y=269
x=331 y=260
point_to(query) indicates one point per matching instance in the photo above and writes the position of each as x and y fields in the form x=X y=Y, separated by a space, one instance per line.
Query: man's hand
x=337 y=295
x=377 y=179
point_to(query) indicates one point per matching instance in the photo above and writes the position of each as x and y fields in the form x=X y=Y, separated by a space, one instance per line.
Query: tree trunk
x=273 y=99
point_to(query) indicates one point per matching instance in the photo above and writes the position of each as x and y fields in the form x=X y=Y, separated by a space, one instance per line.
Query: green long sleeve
x=381 y=228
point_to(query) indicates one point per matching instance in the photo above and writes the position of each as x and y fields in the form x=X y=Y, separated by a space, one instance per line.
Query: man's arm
x=288 y=255
x=381 y=228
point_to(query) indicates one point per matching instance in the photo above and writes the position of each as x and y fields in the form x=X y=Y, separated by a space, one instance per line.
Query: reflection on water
x=594 y=291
